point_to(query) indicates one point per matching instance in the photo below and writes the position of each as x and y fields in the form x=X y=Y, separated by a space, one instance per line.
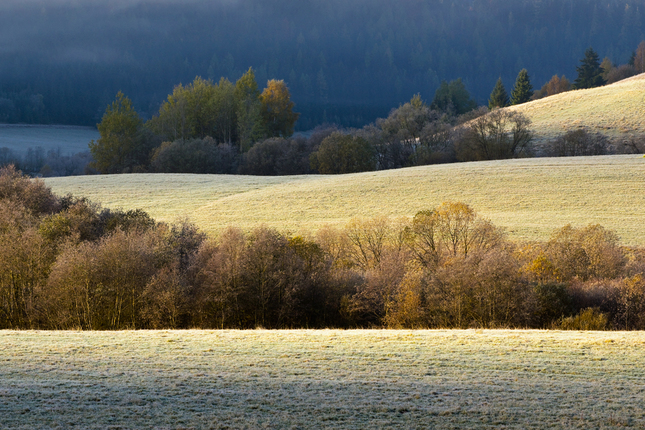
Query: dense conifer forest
x=343 y=62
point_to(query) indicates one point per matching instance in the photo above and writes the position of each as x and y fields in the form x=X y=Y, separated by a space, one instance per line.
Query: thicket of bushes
x=67 y=263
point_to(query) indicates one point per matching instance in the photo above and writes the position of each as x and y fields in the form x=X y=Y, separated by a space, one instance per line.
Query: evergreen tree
x=523 y=90
x=589 y=71
x=499 y=97
x=453 y=98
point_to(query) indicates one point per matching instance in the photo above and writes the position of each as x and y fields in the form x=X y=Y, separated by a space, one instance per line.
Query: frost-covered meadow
x=322 y=379
x=69 y=139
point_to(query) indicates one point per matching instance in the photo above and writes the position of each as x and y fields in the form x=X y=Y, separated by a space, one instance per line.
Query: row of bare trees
x=66 y=263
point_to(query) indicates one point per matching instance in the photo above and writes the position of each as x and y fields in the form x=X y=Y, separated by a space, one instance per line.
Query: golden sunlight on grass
x=528 y=197
x=616 y=110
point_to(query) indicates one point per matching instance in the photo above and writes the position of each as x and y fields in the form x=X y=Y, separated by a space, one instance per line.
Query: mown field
x=70 y=139
x=528 y=197
x=616 y=110
x=352 y=379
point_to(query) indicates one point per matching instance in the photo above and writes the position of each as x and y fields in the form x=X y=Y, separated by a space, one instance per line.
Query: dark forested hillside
x=346 y=62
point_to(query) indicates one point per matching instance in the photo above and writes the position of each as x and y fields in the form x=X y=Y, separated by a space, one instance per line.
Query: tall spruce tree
x=523 y=90
x=499 y=97
x=589 y=72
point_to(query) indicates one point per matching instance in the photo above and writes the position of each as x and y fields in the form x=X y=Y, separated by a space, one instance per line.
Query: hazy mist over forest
x=63 y=61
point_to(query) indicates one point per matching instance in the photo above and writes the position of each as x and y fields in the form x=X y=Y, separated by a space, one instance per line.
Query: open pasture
x=491 y=379
x=70 y=139
x=616 y=110
x=528 y=197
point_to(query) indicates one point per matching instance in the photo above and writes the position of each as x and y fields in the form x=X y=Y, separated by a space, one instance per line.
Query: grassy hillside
x=354 y=379
x=616 y=110
x=529 y=197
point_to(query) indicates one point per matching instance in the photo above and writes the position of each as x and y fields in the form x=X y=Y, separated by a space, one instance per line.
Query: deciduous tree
x=277 y=109
x=123 y=144
x=249 y=110
x=639 y=58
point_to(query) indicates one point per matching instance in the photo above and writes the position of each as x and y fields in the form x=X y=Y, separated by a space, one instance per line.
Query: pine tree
x=589 y=71
x=499 y=97
x=523 y=90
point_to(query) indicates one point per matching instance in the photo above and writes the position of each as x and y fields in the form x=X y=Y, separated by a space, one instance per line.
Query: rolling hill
x=528 y=197
x=616 y=110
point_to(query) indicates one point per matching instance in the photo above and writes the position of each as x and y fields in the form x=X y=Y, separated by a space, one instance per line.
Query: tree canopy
x=453 y=98
x=523 y=90
x=498 y=97
x=277 y=109
x=589 y=71
x=122 y=145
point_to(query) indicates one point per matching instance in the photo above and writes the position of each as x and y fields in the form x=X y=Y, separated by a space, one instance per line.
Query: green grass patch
x=528 y=197
x=358 y=379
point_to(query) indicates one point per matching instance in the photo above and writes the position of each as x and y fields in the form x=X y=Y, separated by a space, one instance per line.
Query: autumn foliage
x=67 y=263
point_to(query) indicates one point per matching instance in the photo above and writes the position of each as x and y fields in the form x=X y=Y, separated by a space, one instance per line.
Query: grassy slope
x=322 y=379
x=617 y=110
x=529 y=197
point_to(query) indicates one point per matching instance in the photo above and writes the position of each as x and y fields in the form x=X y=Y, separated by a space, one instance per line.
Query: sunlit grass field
x=528 y=197
x=616 y=110
x=353 y=379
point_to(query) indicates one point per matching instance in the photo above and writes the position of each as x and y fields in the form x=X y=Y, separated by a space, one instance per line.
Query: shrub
x=32 y=194
x=588 y=319
x=553 y=302
x=277 y=156
x=343 y=153
x=578 y=143
x=497 y=135
x=194 y=156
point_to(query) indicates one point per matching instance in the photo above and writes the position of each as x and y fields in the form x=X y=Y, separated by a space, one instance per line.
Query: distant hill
x=528 y=197
x=616 y=110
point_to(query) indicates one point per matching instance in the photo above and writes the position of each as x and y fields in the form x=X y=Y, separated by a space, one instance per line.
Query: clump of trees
x=207 y=127
x=223 y=116
x=579 y=142
x=67 y=263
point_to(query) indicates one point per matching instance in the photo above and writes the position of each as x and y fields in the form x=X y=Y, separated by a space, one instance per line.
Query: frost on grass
x=528 y=197
x=323 y=379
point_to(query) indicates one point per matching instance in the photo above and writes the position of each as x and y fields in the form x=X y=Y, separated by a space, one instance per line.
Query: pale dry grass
x=354 y=379
x=528 y=197
x=616 y=110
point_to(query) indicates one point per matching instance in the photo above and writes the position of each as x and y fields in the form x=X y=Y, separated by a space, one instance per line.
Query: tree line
x=67 y=263
x=207 y=127
x=233 y=128
x=591 y=74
